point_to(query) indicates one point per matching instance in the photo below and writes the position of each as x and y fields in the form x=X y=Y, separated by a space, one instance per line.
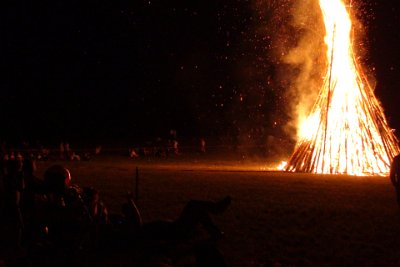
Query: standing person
x=175 y=146
x=395 y=176
x=202 y=145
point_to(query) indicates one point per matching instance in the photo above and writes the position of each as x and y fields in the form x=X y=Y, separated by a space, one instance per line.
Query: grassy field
x=276 y=218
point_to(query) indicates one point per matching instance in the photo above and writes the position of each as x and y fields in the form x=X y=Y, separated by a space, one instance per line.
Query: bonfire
x=346 y=131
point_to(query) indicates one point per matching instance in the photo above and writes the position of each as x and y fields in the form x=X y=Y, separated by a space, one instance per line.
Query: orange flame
x=346 y=132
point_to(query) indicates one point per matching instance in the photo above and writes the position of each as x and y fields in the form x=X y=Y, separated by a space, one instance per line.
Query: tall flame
x=346 y=131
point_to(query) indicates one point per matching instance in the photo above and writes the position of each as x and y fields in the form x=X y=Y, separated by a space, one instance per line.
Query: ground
x=275 y=219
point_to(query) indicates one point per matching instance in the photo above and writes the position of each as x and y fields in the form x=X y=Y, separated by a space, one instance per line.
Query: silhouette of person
x=175 y=239
x=64 y=215
x=395 y=176
x=195 y=213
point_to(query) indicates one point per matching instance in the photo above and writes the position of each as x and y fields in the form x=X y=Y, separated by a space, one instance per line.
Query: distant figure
x=133 y=153
x=202 y=145
x=74 y=156
x=19 y=156
x=395 y=176
x=175 y=147
x=97 y=150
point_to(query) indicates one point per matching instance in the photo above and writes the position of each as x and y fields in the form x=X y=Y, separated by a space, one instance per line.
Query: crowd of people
x=50 y=221
x=159 y=147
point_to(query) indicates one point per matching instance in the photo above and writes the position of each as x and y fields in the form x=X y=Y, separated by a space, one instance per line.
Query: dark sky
x=133 y=69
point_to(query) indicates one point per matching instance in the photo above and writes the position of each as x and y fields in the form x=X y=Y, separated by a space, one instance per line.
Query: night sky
x=106 y=70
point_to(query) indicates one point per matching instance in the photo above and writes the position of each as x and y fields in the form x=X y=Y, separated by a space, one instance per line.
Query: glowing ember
x=346 y=131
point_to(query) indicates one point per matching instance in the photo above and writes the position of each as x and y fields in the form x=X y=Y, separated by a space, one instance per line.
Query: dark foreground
x=275 y=219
